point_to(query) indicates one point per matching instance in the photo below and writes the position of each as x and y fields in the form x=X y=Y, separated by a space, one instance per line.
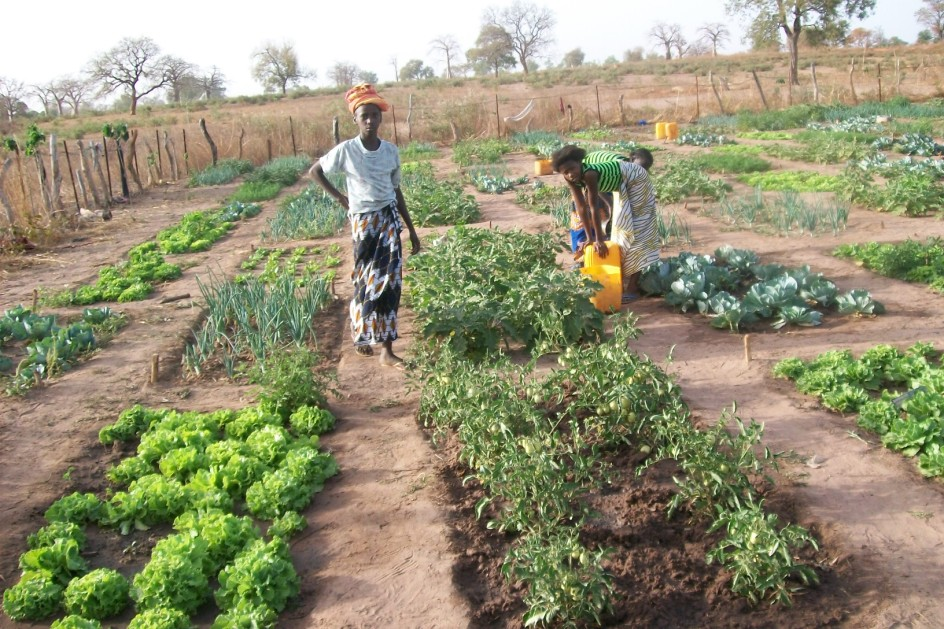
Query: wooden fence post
x=171 y=158
x=291 y=130
x=75 y=193
x=697 y=100
x=186 y=154
x=206 y=135
x=714 y=88
x=879 y=82
x=497 y=119
x=160 y=163
x=107 y=163
x=599 y=113
x=4 y=200
x=815 y=83
x=760 y=90
x=855 y=98
x=55 y=173
x=336 y=130
x=409 y=121
x=269 y=148
x=396 y=135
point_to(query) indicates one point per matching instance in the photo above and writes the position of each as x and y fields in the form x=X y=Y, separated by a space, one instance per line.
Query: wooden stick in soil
x=75 y=193
x=155 y=368
x=291 y=130
x=760 y=90
x=4 y=199
x=186 y=155
x=173 y=298
x=55 y=174
x=206 y=135
x=160 y=162
x=747 y=348
x=815 y=83
x=35 y=308
x=396 y=135
x=87 y=175
x=107 y=164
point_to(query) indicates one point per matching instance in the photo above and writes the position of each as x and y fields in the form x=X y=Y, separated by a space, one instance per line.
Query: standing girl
x=376 y=208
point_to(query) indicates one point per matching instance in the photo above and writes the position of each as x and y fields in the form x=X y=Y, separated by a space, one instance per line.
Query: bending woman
x=634 y=216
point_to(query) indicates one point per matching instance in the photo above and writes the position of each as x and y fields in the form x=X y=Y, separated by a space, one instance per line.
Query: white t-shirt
x=372 y=176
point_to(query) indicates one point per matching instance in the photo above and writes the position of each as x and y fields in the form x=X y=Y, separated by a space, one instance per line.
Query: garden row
x=540 y=446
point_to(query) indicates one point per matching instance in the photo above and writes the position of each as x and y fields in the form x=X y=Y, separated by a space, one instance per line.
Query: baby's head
x=643 y=157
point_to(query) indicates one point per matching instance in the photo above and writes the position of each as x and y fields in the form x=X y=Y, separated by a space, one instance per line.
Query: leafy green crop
x=476 y=289
x=36 y=596
x=733 y=290
x=487 y=151
x=897 y=395
x=432 y=201
x=910 y=260
x=160 y=618
x=224 y=171
x=262 y=574
x=795 y=180
x=311 y=420
x=100 y=594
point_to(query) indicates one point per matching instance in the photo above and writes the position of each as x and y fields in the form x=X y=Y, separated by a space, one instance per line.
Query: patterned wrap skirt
x=635 y=229
x=377 y=275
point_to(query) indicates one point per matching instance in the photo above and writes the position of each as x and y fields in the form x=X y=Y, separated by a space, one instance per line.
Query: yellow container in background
x=661 y=130
x=671 y=131
x=608 y=298
x=542 y=167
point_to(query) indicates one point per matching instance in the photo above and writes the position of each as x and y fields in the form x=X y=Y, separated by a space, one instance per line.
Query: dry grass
x=444 y=111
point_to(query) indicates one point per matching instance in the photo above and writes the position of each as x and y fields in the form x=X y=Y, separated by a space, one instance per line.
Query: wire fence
x=49 y=190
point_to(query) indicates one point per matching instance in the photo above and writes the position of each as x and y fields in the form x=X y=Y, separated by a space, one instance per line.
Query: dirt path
x=377 y=551
x=886 y=515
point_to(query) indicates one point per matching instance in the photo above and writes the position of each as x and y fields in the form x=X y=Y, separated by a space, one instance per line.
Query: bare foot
x=388 y=358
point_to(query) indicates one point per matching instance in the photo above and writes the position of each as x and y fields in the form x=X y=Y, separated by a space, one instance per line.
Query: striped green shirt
x=607 y=166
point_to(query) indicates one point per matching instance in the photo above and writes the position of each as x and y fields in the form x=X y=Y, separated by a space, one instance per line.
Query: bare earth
x=384 y=543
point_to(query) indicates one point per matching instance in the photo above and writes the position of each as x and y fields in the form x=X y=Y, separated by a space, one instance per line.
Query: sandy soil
x=390 y=543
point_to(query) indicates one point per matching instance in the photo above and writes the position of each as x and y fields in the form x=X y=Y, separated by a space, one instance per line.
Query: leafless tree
x=528 y=27
x=134 y=65
x=213 y=84
x=715 y=34
x=669 y=36
x=343 y=74
x=277 y=66
x=51 y=96
x=448 y=47
x=12 y=93
x=178 y=72
x=76 y=91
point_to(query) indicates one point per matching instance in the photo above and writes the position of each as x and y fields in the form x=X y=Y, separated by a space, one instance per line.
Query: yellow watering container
x=671 y=131
x=661 y=130
x=542 y=167
x=608 y=298
x=605 y=270
x=612 y=258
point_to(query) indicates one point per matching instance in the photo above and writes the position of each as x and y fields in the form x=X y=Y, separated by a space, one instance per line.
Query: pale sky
x=59 y=40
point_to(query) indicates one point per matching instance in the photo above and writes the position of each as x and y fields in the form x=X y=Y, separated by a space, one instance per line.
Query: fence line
x=257 y=139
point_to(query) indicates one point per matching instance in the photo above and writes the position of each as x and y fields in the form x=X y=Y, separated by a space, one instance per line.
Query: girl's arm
x=401 y=207
x=593 y=192
x=317 y=173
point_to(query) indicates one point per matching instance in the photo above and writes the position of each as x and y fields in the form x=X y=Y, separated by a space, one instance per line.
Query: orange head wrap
x=362 y=95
